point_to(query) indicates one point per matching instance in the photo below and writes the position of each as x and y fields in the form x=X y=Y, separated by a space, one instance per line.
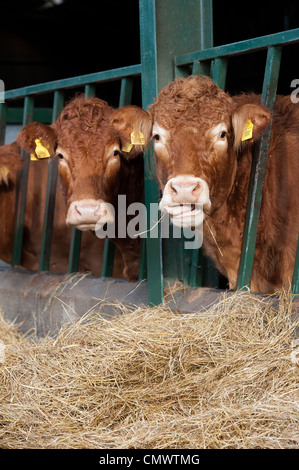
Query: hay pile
x=154 y=379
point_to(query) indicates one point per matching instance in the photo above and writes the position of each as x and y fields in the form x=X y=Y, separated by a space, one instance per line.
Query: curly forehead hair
x=195 y=98
x=84 y=113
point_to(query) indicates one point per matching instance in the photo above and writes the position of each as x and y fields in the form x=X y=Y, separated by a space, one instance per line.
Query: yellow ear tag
x=247 y=133
x=40 y=150
x=137 y=138
x=127 y=148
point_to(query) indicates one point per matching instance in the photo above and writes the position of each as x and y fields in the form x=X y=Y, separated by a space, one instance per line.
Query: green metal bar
x=90 y=91
x=58 y=104
x=201 y=68
x=242 y=47
x=148 y=47
x=48 y=215
x=82 y=80
x=126 y=91
x=197 y=268
x=21 y=190
x=74 y=254
x=44 y=262
x=258 y=171
x=108 y=258
x=206 y=24
x=125 y=98
x=28 y=110
x=219 y=72
x=295 y=280
x=3 y=119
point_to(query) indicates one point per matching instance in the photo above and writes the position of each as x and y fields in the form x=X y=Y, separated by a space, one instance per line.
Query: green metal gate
x=169 y=30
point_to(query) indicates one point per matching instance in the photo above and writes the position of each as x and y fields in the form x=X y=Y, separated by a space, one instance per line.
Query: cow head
x=198 y=131
x=92 y=144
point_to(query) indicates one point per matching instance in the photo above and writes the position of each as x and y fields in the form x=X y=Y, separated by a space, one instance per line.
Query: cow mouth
x=84 y=227
x=185 y=215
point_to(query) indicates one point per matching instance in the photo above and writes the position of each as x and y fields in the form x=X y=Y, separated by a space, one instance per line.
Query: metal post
x=44 y=263
x=21 y=190
x=295 y=280
x=258 y=172
x=167 y=28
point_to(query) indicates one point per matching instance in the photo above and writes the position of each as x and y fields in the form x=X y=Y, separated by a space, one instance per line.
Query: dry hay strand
x=150 y=378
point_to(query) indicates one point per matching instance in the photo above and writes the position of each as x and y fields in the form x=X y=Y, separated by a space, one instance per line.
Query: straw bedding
x=150 y=378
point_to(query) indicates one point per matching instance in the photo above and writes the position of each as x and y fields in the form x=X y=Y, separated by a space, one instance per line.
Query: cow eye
x=156 y=137
x=222 y=134
x=115 y=153
x=59 y=155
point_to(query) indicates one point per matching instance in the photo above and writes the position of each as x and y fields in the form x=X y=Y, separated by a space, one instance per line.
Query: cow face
x=197 y=133
x=92 y=147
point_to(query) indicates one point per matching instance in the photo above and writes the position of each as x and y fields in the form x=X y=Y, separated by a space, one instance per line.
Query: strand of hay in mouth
x=153 y=379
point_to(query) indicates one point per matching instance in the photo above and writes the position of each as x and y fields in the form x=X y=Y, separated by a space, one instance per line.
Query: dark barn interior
x=44 y=40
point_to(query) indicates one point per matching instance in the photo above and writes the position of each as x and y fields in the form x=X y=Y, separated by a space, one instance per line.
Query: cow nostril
x=100 y=212
x=173 y=190
x=196 y=188
x=77 y=210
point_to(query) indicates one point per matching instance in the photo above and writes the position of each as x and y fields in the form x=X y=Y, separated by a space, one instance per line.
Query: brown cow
x=204 y=157
x=100 y=157
x=91 y=253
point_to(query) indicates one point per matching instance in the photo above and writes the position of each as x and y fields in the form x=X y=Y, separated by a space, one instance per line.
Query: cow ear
x=134 y=125
x=249 y=122
x=37 y=139
x=10 y=163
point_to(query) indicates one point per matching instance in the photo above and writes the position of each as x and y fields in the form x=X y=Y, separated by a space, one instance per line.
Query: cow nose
x=87 y=211
x=186 y=191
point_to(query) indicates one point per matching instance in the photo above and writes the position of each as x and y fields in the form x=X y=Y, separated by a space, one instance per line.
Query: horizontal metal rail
x=243 y=47
x=74 y=82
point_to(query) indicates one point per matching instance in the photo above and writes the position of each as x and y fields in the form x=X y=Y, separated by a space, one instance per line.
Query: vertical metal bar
x=148 y=46
x=125 y=98
x=196 y=269
x=258 y=171
x=3 y=117
x=206 y=24
x=219 y=69
x=21 y=190
x=74 y=254
x=44 y=261
x=90 y=91
x=201 y=68
x=108 y=258
x=126 y=91
x=295 y=280
x=21 y=193
x=167 y=28
x=28 y=110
